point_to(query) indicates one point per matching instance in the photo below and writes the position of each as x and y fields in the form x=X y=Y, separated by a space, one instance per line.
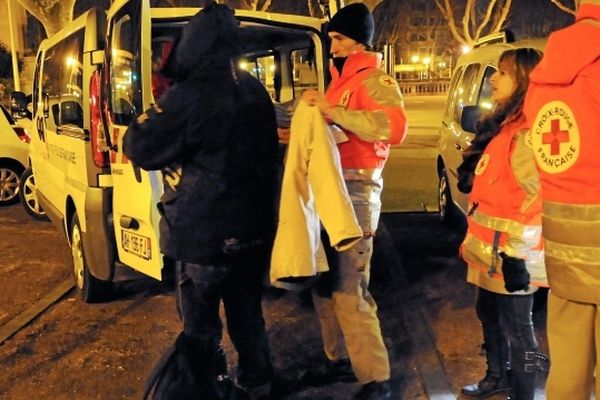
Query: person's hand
x=316 y=98
x=515 y=273
x=143 y=117
x=284 y=135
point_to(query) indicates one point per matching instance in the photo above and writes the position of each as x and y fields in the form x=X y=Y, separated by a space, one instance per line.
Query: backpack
x=184 y=372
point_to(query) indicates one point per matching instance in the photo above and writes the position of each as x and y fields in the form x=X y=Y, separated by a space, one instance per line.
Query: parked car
x=14 y=157
x=469 y=97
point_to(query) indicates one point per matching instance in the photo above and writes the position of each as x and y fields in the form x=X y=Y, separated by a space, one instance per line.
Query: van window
x=305 y=70
x=485 y=93
x=282 y=59
x=124 y=87
x=62 y=80
x=465 y=91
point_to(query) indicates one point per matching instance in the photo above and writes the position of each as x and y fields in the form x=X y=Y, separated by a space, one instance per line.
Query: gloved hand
x=515 y=273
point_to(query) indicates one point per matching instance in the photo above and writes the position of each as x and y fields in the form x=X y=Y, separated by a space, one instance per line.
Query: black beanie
x=355 y=21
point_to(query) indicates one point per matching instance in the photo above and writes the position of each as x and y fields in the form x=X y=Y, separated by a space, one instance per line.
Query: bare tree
x=53 y=14
x=257 y=5
x=370 y=3
x=569 y=9
x=477 y=20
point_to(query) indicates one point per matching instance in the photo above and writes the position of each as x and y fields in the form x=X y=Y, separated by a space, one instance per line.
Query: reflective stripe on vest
x=571 y=231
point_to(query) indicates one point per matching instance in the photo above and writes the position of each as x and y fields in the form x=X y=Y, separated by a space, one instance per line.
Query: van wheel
x=449 y=214
x=91 y=289
x=9 y=182
x=28 y=196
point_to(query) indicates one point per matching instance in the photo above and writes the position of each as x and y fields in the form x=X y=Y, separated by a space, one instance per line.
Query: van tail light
x=97 y=133
x=22 y=134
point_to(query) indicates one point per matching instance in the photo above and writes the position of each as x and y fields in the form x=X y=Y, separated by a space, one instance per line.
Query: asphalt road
x=410 y=176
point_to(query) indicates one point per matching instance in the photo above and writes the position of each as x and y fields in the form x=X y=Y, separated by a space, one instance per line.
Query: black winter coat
x=216 y=142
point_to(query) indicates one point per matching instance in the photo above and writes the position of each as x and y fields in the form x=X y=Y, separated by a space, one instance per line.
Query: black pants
x=508 y=335
x=237 y=281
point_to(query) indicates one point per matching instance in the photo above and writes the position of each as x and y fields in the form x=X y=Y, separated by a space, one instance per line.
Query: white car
x=14 y=157
x=469 y=97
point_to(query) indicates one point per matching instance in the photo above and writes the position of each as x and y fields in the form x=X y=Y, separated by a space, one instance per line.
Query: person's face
x=503 y=83
x=343 y=46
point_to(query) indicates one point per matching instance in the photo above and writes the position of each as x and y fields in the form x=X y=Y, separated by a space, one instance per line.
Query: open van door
x=135 y=191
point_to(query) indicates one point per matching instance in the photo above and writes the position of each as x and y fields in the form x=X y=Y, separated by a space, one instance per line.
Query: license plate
x=136 y=244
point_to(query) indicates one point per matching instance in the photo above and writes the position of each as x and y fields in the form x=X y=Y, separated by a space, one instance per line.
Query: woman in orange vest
x=502 y=247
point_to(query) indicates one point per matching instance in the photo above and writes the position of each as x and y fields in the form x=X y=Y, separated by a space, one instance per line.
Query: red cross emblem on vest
x=555 y=137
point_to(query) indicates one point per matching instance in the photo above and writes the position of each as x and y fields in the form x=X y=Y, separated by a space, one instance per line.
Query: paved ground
x=106 y=351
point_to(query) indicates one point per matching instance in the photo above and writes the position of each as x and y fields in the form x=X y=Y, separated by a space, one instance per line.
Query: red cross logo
x=555 y=137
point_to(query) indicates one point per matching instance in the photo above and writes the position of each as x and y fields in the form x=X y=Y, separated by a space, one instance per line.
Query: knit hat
x=355 y=21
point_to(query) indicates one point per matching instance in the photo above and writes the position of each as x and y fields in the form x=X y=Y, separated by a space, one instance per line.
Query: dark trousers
x=508 y=335
x=237 y=281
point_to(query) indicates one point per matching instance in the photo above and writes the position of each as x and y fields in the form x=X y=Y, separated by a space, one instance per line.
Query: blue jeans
x=237 y=281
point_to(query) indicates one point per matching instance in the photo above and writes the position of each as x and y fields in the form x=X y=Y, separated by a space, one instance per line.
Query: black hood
x=209 y=41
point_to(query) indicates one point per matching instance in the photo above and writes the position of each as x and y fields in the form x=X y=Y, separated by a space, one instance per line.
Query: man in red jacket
x=365 y=106
x=562 y=107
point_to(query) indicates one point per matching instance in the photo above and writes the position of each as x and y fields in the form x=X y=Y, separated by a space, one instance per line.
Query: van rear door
x=135 y=191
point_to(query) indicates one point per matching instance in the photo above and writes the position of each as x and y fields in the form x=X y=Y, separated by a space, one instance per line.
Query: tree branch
x=565 y=8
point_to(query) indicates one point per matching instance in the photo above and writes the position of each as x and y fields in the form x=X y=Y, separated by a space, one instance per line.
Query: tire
x=28 y=196
x=10 y=177
x=91 y=289
x=449 y=213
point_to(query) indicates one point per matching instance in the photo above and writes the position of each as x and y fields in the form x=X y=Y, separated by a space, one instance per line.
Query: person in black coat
x=214 y=136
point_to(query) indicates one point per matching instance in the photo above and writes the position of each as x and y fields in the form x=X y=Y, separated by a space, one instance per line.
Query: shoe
x=374 y=391
x=341 y=371
x=332 y=371
x=486 y=387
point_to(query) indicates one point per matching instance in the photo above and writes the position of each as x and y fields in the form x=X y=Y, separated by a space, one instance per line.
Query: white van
x=91 y=79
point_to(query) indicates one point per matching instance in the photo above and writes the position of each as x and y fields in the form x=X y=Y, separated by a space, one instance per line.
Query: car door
x=135 y=191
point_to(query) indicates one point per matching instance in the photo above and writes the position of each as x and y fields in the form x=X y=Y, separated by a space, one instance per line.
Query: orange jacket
x=369 y=110
x=562 y=105
x=505 y=208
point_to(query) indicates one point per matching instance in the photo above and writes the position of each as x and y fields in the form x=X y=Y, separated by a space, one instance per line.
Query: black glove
x=515 y=273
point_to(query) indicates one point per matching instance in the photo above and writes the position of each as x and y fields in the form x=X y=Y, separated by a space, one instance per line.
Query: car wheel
x=9 y=182
x=91 y=289
x=28 y=196
x=449 y=214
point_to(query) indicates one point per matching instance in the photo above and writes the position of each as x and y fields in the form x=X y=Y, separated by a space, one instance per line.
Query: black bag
x=183 y=372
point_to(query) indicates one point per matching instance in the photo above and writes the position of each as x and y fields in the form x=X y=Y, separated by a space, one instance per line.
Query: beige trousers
x=573 y=338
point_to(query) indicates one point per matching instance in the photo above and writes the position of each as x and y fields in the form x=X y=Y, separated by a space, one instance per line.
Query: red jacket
x=563 y=108
x=369 y=109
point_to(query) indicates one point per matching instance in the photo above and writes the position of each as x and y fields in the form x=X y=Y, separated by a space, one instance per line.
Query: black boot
x=496 y=378
x=488 y=386
x=525 y=366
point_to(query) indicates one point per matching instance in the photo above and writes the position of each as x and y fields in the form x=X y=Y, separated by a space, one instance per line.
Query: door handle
x=129 y=223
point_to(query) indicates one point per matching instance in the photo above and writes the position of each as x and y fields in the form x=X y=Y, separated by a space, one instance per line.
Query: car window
x=465 y=91
x=485 y=92
x=452 y=94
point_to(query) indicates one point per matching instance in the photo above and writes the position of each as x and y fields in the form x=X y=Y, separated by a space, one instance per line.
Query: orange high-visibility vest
x=376 y=104
x=563 y=109
x=505 y=206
